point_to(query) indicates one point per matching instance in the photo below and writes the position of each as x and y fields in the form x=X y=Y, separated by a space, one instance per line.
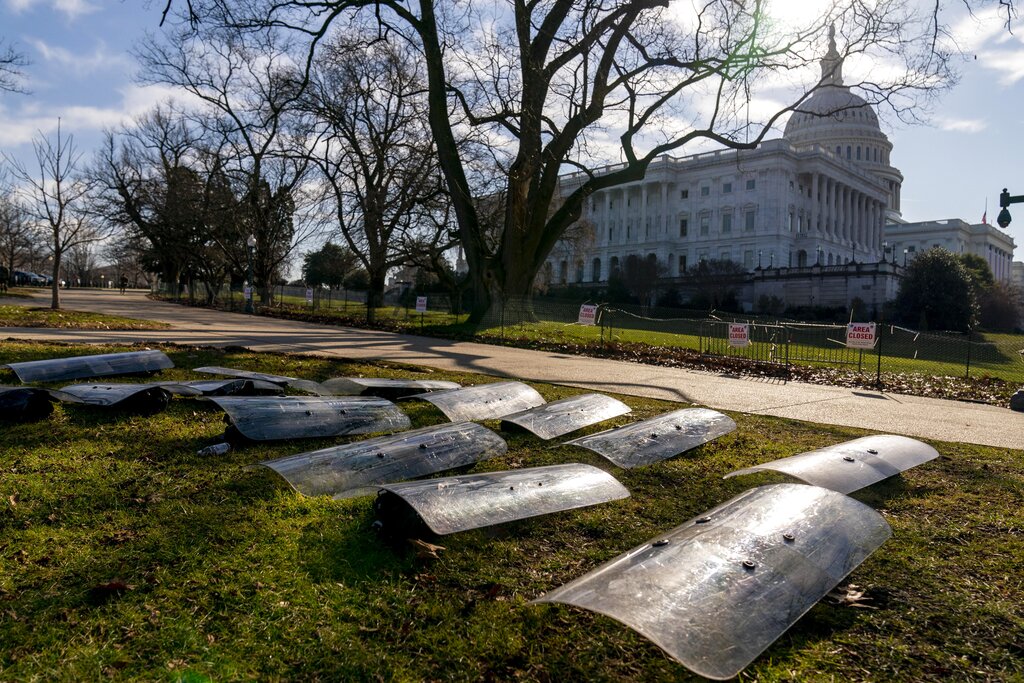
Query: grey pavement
x=878 y=411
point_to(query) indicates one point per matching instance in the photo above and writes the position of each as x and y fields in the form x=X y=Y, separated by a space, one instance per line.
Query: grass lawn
x=23 y=316
x=125 y=556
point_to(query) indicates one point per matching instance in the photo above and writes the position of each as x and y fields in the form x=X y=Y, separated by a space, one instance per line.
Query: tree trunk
x=510 y=284
x=375 y=295
x=55 y=284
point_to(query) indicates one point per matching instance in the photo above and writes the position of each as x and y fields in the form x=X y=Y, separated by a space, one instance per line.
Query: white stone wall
x=806 y=205
x=906 y=240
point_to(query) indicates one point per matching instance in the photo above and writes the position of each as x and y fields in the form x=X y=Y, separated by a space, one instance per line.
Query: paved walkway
x=914 y=416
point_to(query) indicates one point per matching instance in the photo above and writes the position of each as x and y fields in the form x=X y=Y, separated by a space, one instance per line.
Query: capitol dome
x=843 y=123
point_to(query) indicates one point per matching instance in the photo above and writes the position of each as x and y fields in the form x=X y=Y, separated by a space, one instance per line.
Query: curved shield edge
x=561 y=417
x=852 y=465
x=717 y=591
x=482 y=402
x=96 y=365
x=361 y=467
x=452 y=504
x=658 y=438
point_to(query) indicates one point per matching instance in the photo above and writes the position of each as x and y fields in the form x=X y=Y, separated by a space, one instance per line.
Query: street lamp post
x=250 y=245
x=1005 y=199
x=759 y=259
x=905 y=258
x=1003 y=220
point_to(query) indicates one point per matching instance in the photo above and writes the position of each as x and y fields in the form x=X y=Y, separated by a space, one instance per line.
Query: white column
x=815 y=203
x=664 y=208
x=642 y=230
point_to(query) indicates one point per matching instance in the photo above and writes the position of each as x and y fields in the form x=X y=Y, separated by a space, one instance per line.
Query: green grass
x=125 y=556
x=994 y=355
x=22 y=316
x=17 y=293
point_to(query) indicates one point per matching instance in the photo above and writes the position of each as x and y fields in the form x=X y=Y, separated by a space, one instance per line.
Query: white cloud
x=960 y=125
x=81 y=64
x=69 y=8
x=1008 y=63
x=20 y=126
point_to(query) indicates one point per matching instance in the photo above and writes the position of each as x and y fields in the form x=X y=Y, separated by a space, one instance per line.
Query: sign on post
x=421 y=304
x=860 y=336
x=309 y=295
x=739 y=335
x=247 y=292
x=588 y=314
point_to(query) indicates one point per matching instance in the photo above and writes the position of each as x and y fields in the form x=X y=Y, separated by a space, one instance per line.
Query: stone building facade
x=819 y=196
x=903 y=241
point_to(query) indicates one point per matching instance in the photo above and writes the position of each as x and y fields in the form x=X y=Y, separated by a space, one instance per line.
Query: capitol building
x=806 y=215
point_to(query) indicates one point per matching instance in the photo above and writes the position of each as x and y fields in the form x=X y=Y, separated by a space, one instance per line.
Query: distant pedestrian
x=124 y=283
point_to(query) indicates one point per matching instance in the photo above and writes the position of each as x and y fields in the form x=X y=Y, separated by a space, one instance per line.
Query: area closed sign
x=860 y=336
x=588 y=314
x=421 y=304
x=739 y=334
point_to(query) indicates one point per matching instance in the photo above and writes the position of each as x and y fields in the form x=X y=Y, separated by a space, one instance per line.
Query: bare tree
x=16 y=234
x=11 y=64
x=57 y=196
x=250 y=92
x=547 y=82
x=148 y=186
x=80 y=263
x=128 y=255
x=376 y=152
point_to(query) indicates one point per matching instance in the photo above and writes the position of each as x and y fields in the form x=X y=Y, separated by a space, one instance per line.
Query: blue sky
x=82 y=71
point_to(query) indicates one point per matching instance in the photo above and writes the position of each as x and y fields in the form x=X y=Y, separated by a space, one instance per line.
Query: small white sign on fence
x=247 y=293
x=309 y=295
x=860 y=336
x=739 y=335
x=588 y=314
x=421 y=304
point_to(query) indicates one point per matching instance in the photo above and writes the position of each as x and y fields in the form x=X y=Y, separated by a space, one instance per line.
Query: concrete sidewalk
x=910 y=415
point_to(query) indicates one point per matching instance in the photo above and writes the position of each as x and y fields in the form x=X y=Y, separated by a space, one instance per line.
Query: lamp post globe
x=250 y=245
x=1003 y=219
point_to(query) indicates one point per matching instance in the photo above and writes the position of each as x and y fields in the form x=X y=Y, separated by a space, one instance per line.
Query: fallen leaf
x=850 y=595
x=425 y=550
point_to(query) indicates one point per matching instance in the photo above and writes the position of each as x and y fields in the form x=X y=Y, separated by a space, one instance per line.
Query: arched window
x=614 y=266
x=563 y=272
x=858 y=152
x=876 y=154
x=801 y=258
x=849 y=152
x=839 y=151
x=579 y=271
x=595 y=270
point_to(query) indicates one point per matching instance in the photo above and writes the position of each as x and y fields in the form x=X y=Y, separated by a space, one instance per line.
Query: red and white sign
x=421 y=304
x=739 y=334
x=309 y=295
x=860 y=336
x=588 y=314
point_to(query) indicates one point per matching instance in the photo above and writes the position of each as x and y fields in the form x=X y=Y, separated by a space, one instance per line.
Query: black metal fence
x=772 y=341
x=344 y=303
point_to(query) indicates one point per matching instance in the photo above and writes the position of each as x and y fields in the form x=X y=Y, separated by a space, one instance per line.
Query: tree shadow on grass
x=349 y=551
